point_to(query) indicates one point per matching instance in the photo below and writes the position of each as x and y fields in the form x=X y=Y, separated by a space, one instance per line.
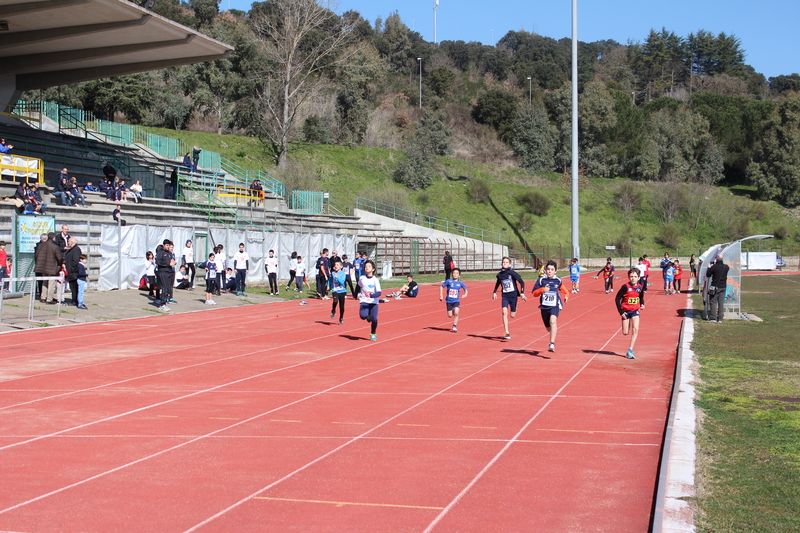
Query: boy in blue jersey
x=552 y=295
x=454 y=287
x=338 y=290
x=509 y=280
x=574 y=275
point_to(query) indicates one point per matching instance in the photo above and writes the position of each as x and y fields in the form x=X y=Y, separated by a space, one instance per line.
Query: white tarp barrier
x=759 y=260
x=123 y=249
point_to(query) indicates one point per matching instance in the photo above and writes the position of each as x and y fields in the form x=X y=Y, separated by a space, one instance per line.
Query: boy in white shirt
x=241 y=265
x=271 y=265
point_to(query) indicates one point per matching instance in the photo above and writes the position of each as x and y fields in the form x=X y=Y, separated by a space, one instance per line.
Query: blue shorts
x=452 y=305
x=573 y=279
x=547 y=313
x=510 y=301
x=668 y=279
x=627 y=315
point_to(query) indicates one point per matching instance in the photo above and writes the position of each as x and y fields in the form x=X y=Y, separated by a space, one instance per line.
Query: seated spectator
x=36 y=199
x=187 y=162
x=109 y=172
x=75 y=191
x=22 y=193
x=410 y=289
x=123 y=191
x=181 y=281
x=136 y=191
x=61 y=191
x=5 y=147
x=115 y=215
x=89 y=187
x=115 y=186
x=106 y=188
x=230 y=283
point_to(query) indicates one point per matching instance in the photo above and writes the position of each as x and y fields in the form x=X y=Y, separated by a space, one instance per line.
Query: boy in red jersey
x=608 y=276
x=629 y=300
x=678 y=275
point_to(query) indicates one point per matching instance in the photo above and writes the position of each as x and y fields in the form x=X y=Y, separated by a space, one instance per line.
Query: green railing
x=249 y=176
x=203 y=199
x=309 y=202
x=430 y=222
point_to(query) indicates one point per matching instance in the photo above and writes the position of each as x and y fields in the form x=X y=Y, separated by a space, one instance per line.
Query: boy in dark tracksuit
x=165 y=273
x=509 y=280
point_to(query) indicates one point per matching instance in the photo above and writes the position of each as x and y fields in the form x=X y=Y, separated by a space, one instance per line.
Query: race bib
x=452 y=294
x=549 y=299
x=508 y=285
x=633 y=300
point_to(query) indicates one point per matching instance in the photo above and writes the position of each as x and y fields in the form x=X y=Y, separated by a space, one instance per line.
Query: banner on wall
x=29 y=230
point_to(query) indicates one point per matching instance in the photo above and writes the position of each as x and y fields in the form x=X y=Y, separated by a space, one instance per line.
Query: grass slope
x=348 y=173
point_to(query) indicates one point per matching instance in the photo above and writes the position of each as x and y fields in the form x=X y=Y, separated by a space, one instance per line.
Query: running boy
x=509 y=280
x=454 y=287
x=369 y=296
x=552 y=295
x=629 y=300
x=338 y=290
x=608 y=276
x=574 y=274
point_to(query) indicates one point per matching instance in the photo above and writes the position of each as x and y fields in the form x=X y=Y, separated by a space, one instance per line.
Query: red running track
x=274 y=418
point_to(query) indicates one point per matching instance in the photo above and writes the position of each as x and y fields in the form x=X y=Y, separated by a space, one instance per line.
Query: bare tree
x=301 y=40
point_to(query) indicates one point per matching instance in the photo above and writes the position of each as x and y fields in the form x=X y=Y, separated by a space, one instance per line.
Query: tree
x=531 y=139
x=775 y=169
x=301 y=40
x=205 y=10
x=130 y=95
x=429 y=139
x=496 y=108
x=784 y=84
x=596 y=117
x=441 y=80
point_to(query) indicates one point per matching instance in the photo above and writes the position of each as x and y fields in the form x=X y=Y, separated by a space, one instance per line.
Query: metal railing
x=249 y=176
x=430 y=222
x=203 y=198
x=18 y=166
x=309 y=202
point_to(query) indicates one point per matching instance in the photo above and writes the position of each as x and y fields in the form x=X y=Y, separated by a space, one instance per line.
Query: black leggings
x=349 y=283
x=273 y=281
x=609 y=283
x=370 y=310
x=190 y=267
x=291 y=279
x=338 y=297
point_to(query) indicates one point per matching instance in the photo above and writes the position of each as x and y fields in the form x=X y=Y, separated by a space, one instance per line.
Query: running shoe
x=630 y=355
x=332 y=315
x=454 y=329
x=506 y=336
x=172 y=301
x=341 y=322
x=303 y=303
x=551 y=347
x=373 y=337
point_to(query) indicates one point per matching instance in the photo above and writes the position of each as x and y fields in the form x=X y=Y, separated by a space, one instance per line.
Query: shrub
x=423 y=198
x=623 y=243
x=781 y=232
x=669 y=201
x=628 y=198
x=526 y=221
x=759 y=210
x=738 y=227
x=480 y=191
x=316 y=130
x=669 y=236
x=535 y=202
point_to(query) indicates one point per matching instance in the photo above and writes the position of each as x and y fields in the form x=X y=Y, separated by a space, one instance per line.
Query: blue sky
x=767 y=29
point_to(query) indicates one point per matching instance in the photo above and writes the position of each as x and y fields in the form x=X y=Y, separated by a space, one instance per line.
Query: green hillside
x=699 y=215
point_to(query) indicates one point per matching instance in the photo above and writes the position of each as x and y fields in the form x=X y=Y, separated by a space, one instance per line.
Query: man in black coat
x=718 y=272
x=71 y=259
x=165 y=272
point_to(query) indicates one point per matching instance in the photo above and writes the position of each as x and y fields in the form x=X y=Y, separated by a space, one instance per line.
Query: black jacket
x=163 y=259
x=71 y=259
x=718 y=272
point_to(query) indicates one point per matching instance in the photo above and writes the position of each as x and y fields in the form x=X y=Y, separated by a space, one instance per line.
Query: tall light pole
x=530 y=94
x=420 y=81
x=576 y=247
x=435 y=5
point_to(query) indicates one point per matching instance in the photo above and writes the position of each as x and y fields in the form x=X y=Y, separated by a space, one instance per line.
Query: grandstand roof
x=55 y=42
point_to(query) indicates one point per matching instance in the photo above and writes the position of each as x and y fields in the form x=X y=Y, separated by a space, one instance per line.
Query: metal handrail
x=249 y=176
x=431 y=222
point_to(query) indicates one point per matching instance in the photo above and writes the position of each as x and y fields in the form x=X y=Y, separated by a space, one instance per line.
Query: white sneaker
x=213 y=302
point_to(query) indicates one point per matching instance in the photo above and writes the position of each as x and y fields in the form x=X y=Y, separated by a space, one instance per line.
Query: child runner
x=669 y=278
x=454 y=287
x=300 y=274
x=509 y=280
x=271 y=266
x=608 y=276
x=338 y=290
x=678 y=275
x=574 y=274
x=211 y=279
x=552 y=295
x=369 y=295
x=349 y=272
x=646 y=274
x=629 y=300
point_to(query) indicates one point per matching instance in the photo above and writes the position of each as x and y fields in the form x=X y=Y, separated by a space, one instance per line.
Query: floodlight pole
x=435 y=5
x=420 y=81
x=576 y=248
x=530 y=94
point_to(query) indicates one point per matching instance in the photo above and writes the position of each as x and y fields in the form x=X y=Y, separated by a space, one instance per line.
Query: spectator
x=165 y=273
x=71 y=259
x=105 y=187
x=123 y=191
x=61 y=191
x=171 y=192
x=230 y=283
x=447 y=260
x=22 y=194
x=48 y=259
x=89 y=187
x=62 y=239
x=76 y=193
x=136 y=191
x=195 y=158
x=36 y=199
x=181 y=281
x=118 y=191
x=116 y=216
x=63 y=174
x=83 y=279
x=256 y=193
x=109 y=172
x=36 y=271
x=187 y=162
x=5 y=147
x=3 y=261
x=718 y=283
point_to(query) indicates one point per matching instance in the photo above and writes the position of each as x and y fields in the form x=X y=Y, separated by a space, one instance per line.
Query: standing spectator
x=241 y=264
x=5 y=147
x=693 y=271
x=115 y=215
x=187 y=258
x=150 y=273
x=665 y=264
x=172 y=191
x=649 y=266
x=447 y=260
x=137 y=191
x=195 y=158
x=256 y=193
x=109 y=172
x=323 y=273
x=271 y=266
x=292 y=269
x=72 y=257
x=165 y=272
x=76 y=193
x=83 y=279
x=718 y=272
x=222 y=268
x=48 y=259
x=3 y=261
x=37 y=268
x=187 y=162
x=62 y=239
